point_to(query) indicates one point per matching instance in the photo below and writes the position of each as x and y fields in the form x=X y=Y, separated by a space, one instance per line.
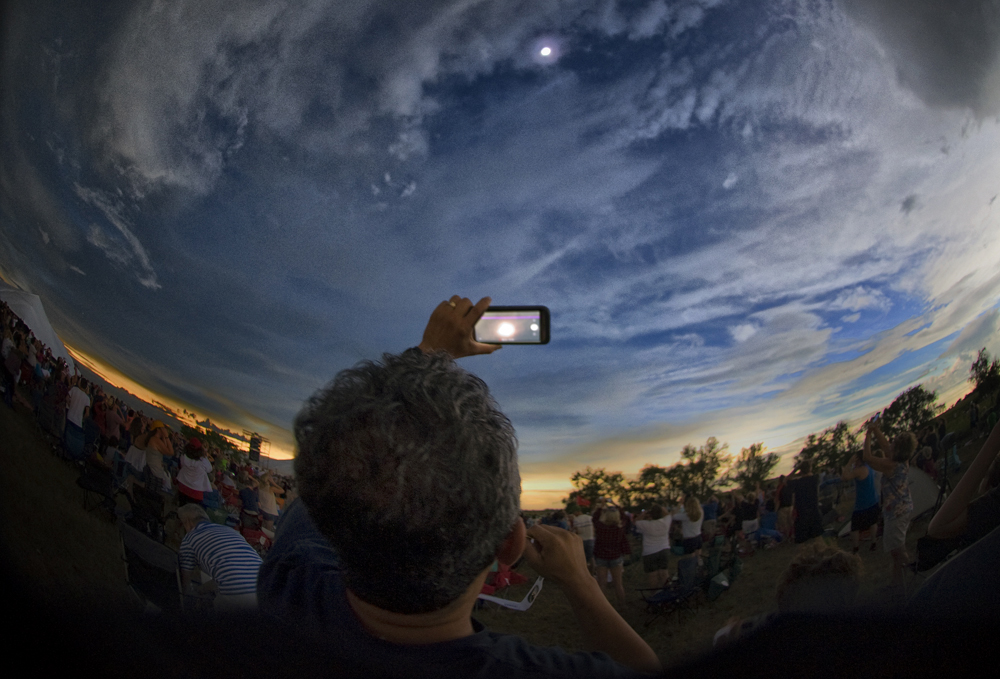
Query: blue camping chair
x=75 y=442
x=677 y=596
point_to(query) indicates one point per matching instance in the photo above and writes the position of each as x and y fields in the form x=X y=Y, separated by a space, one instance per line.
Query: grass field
x=68 y=553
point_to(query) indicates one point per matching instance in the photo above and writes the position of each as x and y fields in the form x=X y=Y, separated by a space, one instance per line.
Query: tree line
x=711 y=467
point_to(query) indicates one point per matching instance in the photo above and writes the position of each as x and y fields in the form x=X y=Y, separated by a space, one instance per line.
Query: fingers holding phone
x=450 y=328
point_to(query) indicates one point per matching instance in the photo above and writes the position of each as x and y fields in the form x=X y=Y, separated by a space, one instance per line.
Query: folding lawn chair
x=676 y=596
x=152 y=572
x=147 y=512
x=75 y=443
x=100 y=481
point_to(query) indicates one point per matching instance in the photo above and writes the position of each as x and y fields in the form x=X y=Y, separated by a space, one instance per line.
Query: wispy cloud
x=121 y=246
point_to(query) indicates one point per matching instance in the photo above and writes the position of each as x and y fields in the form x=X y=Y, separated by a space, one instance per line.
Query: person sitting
x=967 y=519
x=405 y=501
x=769 y=525
x=221 y=553
x=819 y=580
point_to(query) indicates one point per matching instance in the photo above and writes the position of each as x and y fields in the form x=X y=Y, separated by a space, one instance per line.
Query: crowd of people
x=408 y=502
x=88 y=425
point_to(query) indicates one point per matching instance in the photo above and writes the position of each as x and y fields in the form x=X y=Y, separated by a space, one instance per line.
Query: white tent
x=923 y=490
x=29 y=308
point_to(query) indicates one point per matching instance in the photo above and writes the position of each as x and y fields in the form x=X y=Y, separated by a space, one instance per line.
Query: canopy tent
x=923 y=491
x=29 y=308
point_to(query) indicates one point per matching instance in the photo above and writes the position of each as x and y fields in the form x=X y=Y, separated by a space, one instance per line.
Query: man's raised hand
x=451 y=325
x=556 y=554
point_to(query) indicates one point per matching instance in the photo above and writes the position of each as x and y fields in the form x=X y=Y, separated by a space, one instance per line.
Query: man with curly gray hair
x=409 y=491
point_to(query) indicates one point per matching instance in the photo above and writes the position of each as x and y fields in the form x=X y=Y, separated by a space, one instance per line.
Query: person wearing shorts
x=864 y=519
x=654 y=526
x=610 y=548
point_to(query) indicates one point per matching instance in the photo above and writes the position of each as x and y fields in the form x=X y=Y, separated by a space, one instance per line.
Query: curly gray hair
x=409 y=469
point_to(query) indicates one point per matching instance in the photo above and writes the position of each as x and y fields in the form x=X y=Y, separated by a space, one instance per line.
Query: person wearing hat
x=193 y=479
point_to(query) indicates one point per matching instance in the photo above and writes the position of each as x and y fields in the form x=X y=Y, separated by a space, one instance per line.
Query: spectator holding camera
x=654 y=526
x=864 y=519
x=405 y=503
x=897 y=504
x=610 y=549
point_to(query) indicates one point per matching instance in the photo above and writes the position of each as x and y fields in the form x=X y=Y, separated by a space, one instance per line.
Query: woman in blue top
x=866 y=504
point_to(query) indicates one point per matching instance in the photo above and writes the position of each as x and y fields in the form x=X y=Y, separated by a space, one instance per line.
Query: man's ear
x=512 y=546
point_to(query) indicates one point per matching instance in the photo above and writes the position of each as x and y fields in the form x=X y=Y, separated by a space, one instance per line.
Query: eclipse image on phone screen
x=514 y=325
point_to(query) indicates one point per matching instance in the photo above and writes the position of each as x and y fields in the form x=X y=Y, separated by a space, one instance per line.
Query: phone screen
x=514 y=325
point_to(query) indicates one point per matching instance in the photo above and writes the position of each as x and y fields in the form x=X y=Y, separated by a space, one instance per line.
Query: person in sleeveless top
x=156 y=443
x=897 y=504
x=866 y=504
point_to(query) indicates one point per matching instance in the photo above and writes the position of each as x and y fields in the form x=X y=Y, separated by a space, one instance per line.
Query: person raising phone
x=409 y=491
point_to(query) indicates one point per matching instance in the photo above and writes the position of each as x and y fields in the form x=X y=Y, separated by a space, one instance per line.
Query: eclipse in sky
x=546 y=50
x=747 y=224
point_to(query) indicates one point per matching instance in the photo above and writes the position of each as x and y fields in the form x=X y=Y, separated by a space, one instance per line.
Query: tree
x=705 y=464
x=833 y=448
x=592 y=484
x=652 y=486
x=985 y=373
x=753 y=466
x=911 y=410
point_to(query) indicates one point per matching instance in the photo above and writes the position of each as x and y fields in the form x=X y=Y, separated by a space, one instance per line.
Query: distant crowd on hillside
x=96 y=429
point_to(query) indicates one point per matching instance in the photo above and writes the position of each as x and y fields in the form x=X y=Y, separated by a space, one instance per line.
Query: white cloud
x=122 y=247
x=730 y=181
x=77 y=270
x=743 y=332
x=858 y=298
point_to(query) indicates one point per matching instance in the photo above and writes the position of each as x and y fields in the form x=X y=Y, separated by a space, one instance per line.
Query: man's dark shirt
x=301 y=582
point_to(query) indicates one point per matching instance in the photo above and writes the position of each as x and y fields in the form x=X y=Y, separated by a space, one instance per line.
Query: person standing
x=583 y=526
x=610 y=549
x=866 y=506
x=783 y=497
x=193 y=478
x=690 y=516
x=805 y=502
x=897 y=503
x=654 y=526
x=708 y=525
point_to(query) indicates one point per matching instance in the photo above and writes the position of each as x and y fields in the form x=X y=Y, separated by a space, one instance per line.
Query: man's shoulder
x=504 y=655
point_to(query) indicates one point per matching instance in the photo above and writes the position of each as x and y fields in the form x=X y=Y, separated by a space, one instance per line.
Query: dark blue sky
x=748 y=219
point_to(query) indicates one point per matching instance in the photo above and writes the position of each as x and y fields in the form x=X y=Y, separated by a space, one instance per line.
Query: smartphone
x=514 y=325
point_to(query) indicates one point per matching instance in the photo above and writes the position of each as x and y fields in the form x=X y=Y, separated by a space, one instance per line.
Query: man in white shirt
x=583 y=526
x=77 y=403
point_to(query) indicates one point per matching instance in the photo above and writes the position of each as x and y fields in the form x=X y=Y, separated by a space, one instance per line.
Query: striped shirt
x=224 y=554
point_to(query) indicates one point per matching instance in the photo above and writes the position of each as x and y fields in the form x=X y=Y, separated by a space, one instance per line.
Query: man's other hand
x=450 y=328
x=557 y=554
